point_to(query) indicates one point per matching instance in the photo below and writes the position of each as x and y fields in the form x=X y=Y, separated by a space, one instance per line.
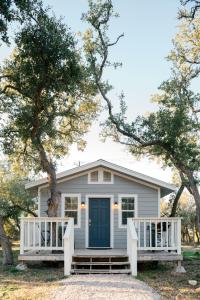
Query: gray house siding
x=147 y=202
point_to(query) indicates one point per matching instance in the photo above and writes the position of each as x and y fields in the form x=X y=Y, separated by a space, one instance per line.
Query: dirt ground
x=39 y=281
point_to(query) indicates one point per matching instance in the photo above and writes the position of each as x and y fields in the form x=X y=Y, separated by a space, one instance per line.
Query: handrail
x=45 y=218
x=156 y=218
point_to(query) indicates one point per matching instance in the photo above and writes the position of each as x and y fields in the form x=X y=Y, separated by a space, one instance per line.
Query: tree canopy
x=172 y=132
x=16 y=11
x=46 y=96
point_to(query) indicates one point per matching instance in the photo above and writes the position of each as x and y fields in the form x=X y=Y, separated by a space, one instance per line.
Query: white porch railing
x=132 y=246
x=68 y=246
x=158 y=233
x=42 y=233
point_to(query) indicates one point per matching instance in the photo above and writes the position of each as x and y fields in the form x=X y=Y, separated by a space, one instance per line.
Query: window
x=71 y=208
x=94 y=176
x=128 y=208
x=106 y=176
x=100 y=176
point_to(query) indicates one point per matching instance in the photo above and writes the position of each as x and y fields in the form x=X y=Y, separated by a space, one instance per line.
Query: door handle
x=90 y=222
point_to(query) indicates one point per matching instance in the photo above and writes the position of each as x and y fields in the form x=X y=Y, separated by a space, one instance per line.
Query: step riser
x=100 y=265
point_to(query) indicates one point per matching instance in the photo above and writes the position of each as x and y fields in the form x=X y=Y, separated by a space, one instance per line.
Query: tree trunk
x=6 y=246
x=195 y=193
x=49 y=168
x=175 y=203
x=53 y=201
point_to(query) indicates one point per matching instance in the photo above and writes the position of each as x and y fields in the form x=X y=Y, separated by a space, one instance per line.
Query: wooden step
x=100 y=271
x=100 y=259
x=99 y=256
x=101 y=263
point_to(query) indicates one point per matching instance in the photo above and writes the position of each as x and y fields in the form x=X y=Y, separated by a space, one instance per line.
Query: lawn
x=168 y=284
x=39 y=280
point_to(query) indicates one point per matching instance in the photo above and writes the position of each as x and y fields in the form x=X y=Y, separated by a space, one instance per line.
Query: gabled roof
x=166 y=188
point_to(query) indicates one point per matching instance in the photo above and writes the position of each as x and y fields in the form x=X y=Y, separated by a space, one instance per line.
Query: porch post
x=179 y=236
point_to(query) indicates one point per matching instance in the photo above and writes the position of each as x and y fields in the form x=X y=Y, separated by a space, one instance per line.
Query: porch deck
x=45 y=255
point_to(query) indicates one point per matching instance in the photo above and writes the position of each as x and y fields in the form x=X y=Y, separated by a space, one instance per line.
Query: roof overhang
x=166 y=188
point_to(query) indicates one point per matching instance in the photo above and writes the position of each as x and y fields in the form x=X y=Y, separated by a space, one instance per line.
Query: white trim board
x=63 y=195
x=111 y=197
x=100 y=176
x=113 y=167
x=120 y=196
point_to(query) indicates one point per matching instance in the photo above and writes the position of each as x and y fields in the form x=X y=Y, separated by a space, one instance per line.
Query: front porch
x=148 y=239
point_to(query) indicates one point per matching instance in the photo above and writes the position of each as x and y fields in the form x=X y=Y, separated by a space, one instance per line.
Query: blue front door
x=99 y=222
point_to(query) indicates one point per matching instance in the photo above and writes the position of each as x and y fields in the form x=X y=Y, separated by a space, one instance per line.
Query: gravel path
x=98 y=287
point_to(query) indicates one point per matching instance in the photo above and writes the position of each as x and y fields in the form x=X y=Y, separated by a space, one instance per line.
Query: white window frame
x=78 y=225
x=120 y=207
x=100 y=176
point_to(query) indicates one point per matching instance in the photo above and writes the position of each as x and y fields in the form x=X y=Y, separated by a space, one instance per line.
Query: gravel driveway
x=98 y=287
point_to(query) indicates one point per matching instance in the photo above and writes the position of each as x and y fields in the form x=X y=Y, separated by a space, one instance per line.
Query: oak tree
x=172 y=132
x=46 y=98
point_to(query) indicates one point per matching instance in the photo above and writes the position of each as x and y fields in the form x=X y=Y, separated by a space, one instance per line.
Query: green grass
x=189 y=255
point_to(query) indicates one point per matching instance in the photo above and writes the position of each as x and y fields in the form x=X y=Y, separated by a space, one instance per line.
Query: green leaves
x=48 y=96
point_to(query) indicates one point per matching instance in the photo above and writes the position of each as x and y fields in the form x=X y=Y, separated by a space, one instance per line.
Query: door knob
x=90 y=222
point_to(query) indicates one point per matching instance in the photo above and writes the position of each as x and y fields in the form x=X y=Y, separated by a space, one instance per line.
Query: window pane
x=124 y=204
x=68 y=203
x=72 y=214
x=94 y=176
x=71 y=203
x=125 y=215
x=128 y=203
x=106 y=176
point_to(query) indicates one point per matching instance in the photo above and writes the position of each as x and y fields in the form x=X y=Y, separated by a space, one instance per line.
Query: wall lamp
x=83 y=204
x=116 y=204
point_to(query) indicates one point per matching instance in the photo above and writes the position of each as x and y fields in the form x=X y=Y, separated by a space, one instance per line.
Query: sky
x=149 y=27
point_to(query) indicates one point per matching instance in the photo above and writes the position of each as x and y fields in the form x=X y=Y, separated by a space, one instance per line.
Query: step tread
x=100 y=263
x=99 y=256
x=116 y=271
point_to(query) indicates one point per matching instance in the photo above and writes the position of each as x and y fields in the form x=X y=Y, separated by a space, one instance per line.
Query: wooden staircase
x=101 y=264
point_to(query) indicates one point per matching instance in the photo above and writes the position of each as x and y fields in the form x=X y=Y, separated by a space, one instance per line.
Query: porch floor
x=45 y=255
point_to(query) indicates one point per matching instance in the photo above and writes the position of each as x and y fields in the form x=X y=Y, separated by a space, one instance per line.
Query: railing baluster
x=156 y=234
x=45 y=234
x=150 y=230
x=144 y=233
x=40 y=234
x=34 y=233
x=28 y=234
x=167 y=232
x=139 y=233
x=56 y=234
x=51 y=235
x=161 y=234
x=62 y=233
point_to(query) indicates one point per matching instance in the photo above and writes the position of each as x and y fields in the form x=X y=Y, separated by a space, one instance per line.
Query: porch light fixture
x=116 y=204
x=82 y=204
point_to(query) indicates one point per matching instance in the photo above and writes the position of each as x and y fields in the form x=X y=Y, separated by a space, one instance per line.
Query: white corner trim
x=87 y=197
x=63 y=195
x=100 y=176
x=120 y=196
